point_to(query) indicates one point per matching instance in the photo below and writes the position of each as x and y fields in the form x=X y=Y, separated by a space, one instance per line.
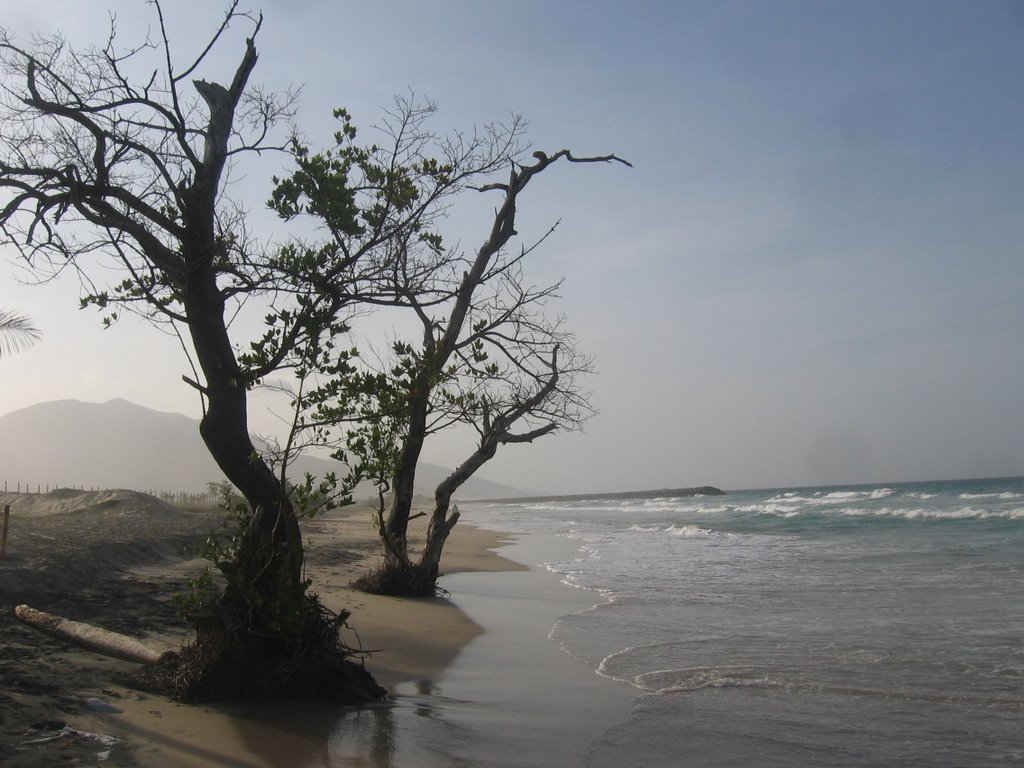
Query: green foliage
x=378 y=205
x=218 y=548
x=365 y=196
x=355 y=190
x=274 y=602
x=321 y=187
x=314 y=495
x=228 y=499
x=201 y=596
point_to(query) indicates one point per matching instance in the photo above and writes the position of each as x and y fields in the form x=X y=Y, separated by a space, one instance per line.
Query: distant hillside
x=122 y=445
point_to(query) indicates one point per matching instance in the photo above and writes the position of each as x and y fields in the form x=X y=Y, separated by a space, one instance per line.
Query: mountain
x=117 y=444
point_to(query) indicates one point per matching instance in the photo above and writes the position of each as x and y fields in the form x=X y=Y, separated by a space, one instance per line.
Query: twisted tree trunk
x=271 y=556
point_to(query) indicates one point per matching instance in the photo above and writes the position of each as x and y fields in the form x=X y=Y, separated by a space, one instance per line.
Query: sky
x=813 y=274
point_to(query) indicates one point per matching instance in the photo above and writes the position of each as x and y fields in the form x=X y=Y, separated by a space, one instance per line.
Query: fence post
x=3 y=541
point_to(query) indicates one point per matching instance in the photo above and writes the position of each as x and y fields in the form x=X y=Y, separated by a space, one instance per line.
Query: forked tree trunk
x=441 y=523
x=441 y=519
x=396 y=527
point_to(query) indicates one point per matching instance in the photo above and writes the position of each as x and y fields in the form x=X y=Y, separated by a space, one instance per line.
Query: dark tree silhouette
x=486 y=354
x=109 y=159
x=104 y=170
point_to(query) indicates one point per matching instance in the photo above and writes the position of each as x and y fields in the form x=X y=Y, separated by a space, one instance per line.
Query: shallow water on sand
x=512 y=698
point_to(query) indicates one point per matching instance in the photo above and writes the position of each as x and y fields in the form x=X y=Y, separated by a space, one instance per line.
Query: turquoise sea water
x=878 y=625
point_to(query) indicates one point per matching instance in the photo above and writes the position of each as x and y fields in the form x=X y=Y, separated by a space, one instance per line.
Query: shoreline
x=118 y=563
x=414 y=639
x=516 y=677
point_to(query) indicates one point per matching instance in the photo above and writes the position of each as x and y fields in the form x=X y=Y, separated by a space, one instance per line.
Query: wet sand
x=511 y=698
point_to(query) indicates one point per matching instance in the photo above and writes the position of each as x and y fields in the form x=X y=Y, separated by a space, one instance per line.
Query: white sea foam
x=715 y=509
x=839 y=497
x=697 y=678
x=689 y=531
x=830 y=498
x=674 y=529
x=911 y=513
x=787 y=498
x=770 y=508
x=1004 y=496
x=645 y=528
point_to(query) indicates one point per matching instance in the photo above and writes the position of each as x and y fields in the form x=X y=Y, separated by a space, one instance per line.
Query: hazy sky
x=813 y=274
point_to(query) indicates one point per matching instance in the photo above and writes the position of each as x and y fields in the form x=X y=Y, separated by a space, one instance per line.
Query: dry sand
x=115 y=559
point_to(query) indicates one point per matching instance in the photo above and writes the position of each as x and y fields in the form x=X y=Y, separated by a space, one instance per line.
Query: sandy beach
x=116 y=559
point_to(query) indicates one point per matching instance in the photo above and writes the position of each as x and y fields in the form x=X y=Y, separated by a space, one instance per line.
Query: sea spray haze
x=846 y=626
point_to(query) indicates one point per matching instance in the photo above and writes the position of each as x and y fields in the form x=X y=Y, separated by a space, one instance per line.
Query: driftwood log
x=88 y=636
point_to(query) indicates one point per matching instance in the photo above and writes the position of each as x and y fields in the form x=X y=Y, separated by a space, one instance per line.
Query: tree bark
x=274 y=540
x=441 y=523
x=274 y=537
x=396 y=528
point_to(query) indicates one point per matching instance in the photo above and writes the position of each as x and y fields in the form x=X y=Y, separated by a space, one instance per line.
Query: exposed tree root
x=399 y=580
x=223 y=666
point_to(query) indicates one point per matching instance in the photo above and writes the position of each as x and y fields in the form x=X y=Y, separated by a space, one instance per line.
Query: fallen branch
x=88 y=636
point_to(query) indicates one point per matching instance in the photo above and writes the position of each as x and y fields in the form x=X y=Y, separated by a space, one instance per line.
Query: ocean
x=874 y=625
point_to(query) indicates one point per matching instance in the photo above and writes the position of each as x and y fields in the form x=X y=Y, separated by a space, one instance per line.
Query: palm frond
x=16 y=333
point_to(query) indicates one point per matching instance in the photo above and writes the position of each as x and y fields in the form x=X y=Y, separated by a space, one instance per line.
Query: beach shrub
x=201 y=596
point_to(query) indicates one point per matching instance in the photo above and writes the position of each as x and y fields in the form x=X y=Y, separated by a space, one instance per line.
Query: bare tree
x=495 y=362
x=487 y=355
x=118 y=158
